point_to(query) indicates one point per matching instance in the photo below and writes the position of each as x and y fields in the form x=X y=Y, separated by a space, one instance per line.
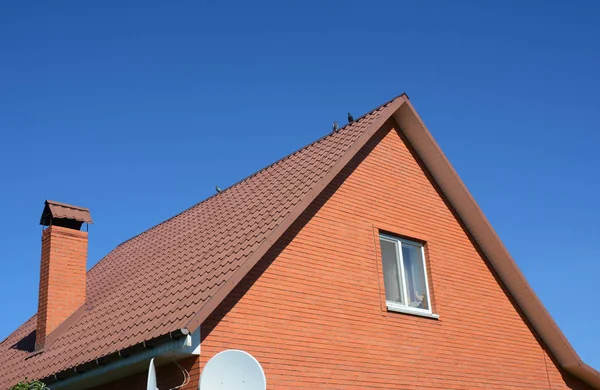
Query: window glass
x=391 y=276
x=415 y=276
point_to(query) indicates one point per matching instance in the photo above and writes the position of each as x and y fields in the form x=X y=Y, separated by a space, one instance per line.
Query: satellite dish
x=151 y=376
x=233 y=370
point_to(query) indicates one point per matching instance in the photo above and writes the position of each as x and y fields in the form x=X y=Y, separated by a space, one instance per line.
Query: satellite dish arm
x=151 y=376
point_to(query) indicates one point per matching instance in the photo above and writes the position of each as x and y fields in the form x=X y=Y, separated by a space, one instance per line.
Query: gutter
x=167 y=348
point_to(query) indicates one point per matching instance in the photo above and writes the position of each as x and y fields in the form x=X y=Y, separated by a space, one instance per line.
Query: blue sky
x=137 y=109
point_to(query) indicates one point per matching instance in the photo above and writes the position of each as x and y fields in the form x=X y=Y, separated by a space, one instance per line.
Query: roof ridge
x=306 y=146
x=366 y=133
x=250 y=176
x=70 y=206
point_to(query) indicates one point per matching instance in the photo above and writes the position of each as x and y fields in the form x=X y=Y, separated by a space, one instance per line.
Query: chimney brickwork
x=62 y=278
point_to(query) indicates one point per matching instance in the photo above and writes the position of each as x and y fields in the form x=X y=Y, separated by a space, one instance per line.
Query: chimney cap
x=62 y=214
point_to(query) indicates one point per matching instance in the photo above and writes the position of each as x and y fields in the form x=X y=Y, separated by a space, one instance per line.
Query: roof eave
x=171 y=346
x=584 y=372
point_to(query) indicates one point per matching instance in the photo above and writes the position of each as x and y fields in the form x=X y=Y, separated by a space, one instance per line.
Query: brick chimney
x=63 y=266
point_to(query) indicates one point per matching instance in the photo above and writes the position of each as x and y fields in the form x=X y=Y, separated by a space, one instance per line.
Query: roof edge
x=71 y=206
x=403 y=96
x=162 y=345
x=490 y=243
x=209 y=306
x=584 y=372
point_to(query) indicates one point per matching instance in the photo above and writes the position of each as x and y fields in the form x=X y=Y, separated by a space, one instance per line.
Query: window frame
x=397 y=306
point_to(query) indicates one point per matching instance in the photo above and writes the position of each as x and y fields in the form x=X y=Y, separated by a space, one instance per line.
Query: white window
x=405 y=276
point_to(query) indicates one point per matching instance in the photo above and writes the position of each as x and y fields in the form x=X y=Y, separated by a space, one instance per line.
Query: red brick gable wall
x=313 y=309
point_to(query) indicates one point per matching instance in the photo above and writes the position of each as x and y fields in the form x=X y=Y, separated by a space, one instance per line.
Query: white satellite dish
x=233 y=370
x=151 y=376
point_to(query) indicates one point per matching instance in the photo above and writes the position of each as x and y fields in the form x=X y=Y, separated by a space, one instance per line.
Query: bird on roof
x=218 y=189
x=350 y=118
x=335 y=126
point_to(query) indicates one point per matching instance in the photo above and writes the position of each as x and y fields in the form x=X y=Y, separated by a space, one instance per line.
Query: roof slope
x=174 y=275
x=157 y=281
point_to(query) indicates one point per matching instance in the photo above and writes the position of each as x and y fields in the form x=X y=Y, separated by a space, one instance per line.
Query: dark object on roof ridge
x=315 y=141
x=234 y=185
x=63 y=214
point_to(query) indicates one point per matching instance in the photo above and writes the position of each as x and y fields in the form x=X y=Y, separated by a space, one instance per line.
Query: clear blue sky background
x=137 y=109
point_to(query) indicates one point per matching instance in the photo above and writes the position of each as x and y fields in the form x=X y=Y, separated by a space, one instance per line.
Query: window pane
x=391 y=277
x=415 y=276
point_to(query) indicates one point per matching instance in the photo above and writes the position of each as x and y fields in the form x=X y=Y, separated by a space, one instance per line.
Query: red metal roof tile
x=157 y=281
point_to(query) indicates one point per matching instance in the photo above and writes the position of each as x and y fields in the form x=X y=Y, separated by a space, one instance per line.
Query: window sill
x=411 y=311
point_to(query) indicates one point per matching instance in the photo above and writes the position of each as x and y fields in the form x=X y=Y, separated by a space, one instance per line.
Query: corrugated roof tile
x=155 y=281
x=53 y=209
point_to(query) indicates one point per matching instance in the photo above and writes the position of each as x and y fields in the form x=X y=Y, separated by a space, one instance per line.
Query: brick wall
x=313 y=309
x=62 y=277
